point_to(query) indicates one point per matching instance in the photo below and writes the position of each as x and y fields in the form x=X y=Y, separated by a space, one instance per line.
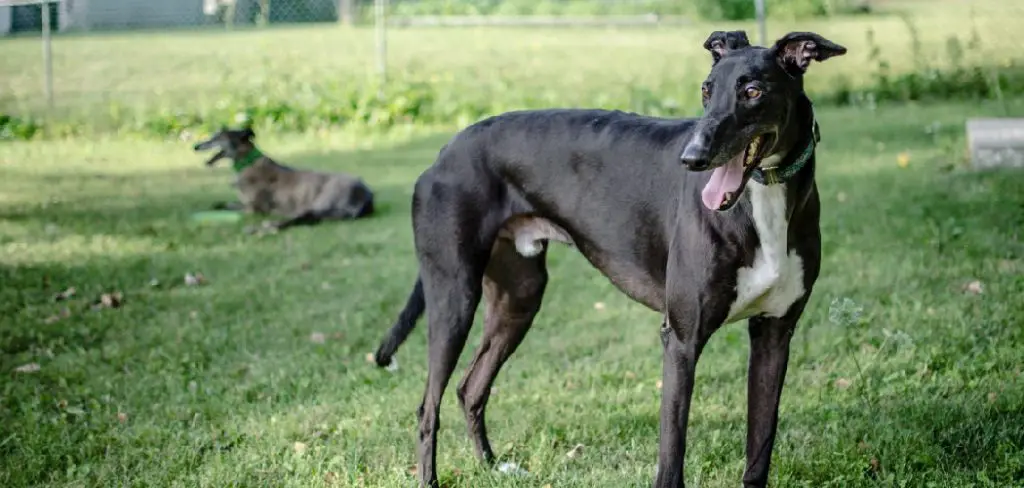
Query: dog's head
x=230 y=143
x=749 y=98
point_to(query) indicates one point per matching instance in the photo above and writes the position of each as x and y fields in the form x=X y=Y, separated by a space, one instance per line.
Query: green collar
x=776 y=175
x=245 y=161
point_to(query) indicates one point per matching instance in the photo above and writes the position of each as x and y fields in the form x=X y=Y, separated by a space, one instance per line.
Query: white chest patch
x=775 y=280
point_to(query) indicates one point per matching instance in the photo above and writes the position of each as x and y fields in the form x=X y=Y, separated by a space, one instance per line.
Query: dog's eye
x=753 y=92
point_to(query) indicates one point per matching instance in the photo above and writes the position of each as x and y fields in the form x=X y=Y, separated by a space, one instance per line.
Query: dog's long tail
x=406 y=322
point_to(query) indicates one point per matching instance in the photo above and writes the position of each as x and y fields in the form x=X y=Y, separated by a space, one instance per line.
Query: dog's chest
x=775 y=279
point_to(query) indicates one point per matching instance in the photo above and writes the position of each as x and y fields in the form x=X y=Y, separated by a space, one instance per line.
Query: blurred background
x=161 y=67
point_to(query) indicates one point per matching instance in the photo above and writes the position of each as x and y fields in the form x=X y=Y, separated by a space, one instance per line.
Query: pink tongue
x=724 y=179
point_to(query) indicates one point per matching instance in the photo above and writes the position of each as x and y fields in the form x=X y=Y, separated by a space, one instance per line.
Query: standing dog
x=704 y=248
x=265 y=186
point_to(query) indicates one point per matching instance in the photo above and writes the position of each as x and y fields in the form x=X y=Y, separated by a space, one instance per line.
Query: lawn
x=258 y=377
x=126 y=79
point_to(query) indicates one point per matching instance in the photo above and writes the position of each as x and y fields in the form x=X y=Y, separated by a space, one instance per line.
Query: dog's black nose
x=695 y=157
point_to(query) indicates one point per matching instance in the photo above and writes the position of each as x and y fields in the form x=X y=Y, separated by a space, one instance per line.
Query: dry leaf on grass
x=317 y=338
x=599 y=306
x=300 y=447
x=903 y=159
x=412 y=470
x=110 y=300
x=992 y=397
x=657 y=384
x=840 y=197
x=65 y=295
x=973 y=287
x=122 y=417
x=575 y=452
x=842 y=383
x=194 y=279
x=27 y=368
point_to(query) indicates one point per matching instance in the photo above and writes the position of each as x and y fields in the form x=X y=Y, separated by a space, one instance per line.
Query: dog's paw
x=392 y=366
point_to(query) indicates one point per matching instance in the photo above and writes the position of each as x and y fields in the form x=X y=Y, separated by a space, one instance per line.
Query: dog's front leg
x=683 y=338
x=306 y=217
x=769 y=357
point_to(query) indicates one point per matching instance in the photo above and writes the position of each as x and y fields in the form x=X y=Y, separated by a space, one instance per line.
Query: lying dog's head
x=749 y=98
x=230 y=143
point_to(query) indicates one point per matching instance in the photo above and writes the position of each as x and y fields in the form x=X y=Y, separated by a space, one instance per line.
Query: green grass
x=126 y=80
x=214 y=385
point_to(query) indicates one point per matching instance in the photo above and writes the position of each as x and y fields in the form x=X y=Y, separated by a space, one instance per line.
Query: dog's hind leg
x=513 y=290
x=452 y=271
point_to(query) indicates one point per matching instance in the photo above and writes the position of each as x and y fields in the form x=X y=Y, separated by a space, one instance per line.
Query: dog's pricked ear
x=719 y=43
x=795 y=50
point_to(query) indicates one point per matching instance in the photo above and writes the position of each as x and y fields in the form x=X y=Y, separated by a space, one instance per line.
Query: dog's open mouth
x=727 y=181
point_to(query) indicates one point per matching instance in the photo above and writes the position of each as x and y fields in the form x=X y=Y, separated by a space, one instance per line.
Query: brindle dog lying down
x=267 y=187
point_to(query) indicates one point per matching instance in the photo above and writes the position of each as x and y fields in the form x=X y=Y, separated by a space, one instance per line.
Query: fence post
x=382 y=43
x=47 y=51
x=345 y=12
x=763 y=34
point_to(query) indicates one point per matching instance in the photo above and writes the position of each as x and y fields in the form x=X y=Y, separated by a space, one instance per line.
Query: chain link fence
x=117 y=62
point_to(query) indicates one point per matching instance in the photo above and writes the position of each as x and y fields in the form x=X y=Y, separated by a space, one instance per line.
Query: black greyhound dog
x=704 y=248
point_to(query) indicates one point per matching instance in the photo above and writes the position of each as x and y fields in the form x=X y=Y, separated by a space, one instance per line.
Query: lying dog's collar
x=247 y=160
x=779 y=173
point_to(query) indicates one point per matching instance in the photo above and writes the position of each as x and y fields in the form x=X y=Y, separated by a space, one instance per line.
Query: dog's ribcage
x=775 y=280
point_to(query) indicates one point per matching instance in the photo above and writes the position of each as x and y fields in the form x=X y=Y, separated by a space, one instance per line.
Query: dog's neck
x=246 y=159
x=787 y=163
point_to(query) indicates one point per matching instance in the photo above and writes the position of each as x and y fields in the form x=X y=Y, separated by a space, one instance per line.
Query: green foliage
x=957 y=79
x=17 y=128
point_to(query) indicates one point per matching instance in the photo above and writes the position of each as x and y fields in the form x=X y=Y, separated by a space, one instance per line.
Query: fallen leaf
x=863 y=445
x=974 y=287
x=841 y=197
x=62 y=404
x=370 y=358
x=599 y=306
x=630 y=375
x=903 y=159
x=842 y=383
x=193 y=315
x=111 y=300
x=27 y=368
x=992 y=397
x=330 y=477
x=547 y=486
x=299 y=447
x=194 y=279
x=122 y=417
x=875 y=465
x=317 y=338
x=64 y=295
x=657 y=384
x=412 y=470
x=575 y=452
